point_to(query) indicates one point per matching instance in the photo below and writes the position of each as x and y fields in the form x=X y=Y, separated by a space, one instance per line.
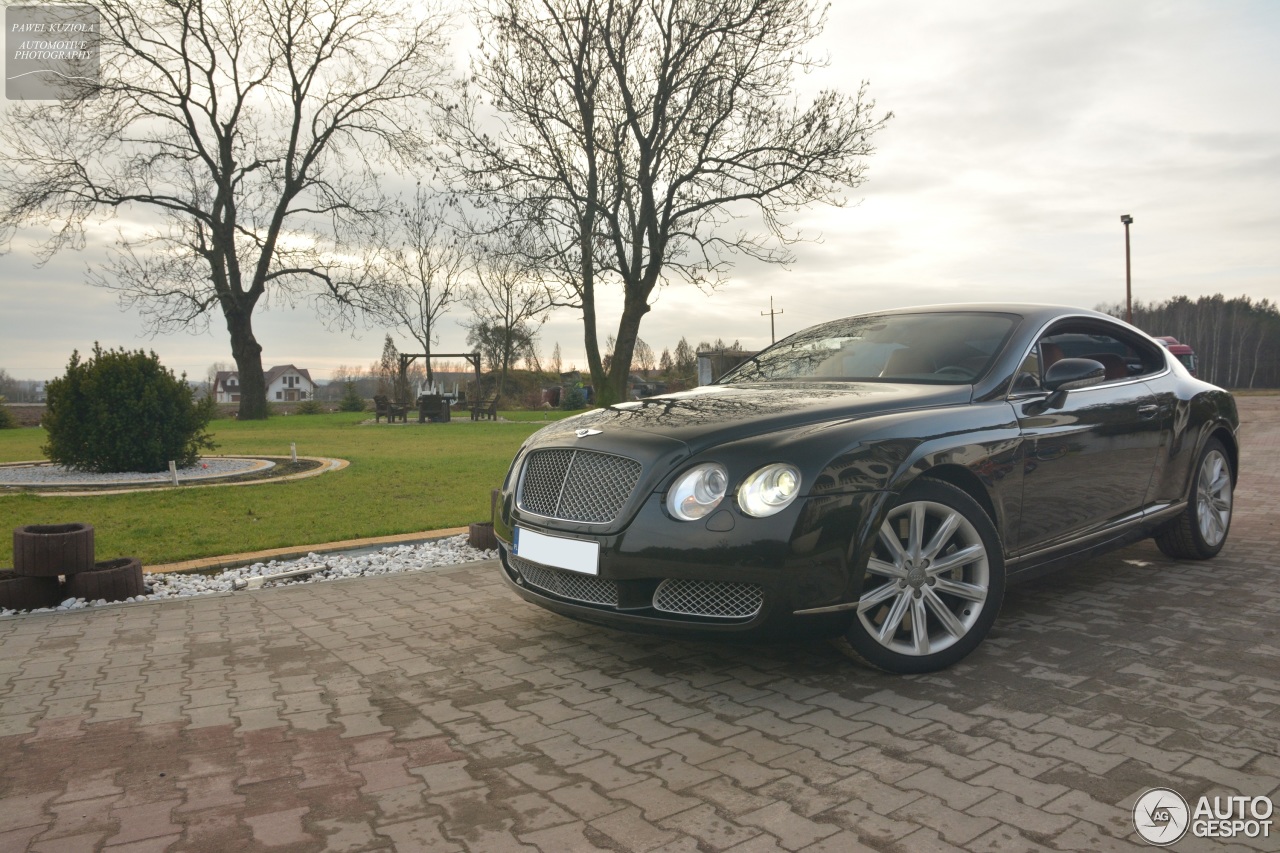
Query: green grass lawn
x=402 y=479
x=536 y=415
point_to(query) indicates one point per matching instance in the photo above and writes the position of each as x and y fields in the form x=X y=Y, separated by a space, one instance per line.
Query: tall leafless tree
x=508 y=305
x=425 y=265
x=241 y=140
x=635 y=135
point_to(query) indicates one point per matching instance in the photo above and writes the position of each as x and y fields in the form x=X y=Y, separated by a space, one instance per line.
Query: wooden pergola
x=407 y=358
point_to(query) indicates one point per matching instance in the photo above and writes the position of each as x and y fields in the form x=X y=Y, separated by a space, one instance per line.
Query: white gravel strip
x=392 y=560
x=46 y=474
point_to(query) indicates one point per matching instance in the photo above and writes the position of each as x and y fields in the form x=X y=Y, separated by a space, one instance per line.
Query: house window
x=279 y=395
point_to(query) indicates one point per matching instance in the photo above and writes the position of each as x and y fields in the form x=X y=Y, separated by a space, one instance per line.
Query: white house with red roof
x=285 y=384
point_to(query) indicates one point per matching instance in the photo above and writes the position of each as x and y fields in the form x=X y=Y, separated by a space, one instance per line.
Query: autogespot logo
x=1161 y=816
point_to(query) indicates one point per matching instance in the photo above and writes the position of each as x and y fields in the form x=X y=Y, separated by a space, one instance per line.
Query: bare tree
x=425 y=266
x=241 y=139
x=211 y=377
x=643 y=358
x=508 y=304
x=635 y=133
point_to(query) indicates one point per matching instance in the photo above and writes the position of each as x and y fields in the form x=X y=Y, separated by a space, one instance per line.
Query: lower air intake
x=718 y=599
x=571 y=585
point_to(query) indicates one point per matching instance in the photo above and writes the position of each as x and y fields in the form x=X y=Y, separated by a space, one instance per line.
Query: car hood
x=716 y=414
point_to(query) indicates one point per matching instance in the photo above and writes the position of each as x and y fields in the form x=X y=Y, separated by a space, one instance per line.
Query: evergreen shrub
x=124 y=411
x=351 y=400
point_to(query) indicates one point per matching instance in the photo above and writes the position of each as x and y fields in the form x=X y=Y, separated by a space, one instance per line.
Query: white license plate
x=572 y=555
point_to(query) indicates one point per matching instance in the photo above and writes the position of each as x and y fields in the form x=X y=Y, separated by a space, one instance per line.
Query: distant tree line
x=1236 y=340
x=18 y=390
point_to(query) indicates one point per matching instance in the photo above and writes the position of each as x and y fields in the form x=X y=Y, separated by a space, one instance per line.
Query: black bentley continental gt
x=883 y=475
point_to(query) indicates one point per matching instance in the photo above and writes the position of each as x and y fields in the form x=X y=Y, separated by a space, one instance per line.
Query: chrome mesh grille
x=577 y=485
x=708 y=598
x=579 y=587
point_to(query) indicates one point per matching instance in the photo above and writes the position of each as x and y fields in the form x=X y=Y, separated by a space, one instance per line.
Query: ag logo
x=583 y=433
x=1161 y=816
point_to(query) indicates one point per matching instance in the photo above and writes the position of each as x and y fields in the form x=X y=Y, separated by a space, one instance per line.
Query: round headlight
x=698 y=491
x=769 y=490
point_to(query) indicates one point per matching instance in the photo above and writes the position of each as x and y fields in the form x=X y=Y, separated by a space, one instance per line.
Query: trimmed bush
x=124 y=411
x=6 y=419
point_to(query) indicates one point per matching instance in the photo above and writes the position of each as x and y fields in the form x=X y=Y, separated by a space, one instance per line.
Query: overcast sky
x=1022 y=132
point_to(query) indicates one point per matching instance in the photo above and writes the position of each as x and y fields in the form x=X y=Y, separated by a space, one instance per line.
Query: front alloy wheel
x=933 y=585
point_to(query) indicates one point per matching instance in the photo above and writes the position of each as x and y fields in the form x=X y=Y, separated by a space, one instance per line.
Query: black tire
x=1200 y=531
x=48 y=550
x=959 y=602
x=110 y=580
x=19 y=592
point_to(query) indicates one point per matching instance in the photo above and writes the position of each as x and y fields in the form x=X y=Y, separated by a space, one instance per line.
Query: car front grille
x=724 y=600
x=571 y=585
x=577 y=485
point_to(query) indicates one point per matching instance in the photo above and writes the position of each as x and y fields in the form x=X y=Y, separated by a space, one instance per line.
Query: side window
x=1123 y=355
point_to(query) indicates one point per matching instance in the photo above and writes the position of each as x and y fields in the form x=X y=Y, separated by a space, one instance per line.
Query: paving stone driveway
x=439 y=712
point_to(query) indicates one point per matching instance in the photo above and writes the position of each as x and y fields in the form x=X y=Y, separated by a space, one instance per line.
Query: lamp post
x=1127 y=220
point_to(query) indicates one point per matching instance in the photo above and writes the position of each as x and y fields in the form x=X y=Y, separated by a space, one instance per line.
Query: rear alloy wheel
x=1200 y=531
x=933 y=585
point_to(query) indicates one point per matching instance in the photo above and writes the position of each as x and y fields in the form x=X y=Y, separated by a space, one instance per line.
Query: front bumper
x=729 y=574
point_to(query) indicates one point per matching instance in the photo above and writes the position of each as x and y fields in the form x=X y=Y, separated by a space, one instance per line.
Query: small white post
x=293 y=450
x=173 y=471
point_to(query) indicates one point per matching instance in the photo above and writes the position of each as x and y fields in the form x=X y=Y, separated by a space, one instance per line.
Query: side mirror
x=1070 y=374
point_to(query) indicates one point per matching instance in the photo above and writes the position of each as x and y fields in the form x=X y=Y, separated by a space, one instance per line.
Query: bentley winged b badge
x=583 y=433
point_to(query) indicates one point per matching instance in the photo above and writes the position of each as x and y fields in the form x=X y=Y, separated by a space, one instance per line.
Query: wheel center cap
x=916 y=576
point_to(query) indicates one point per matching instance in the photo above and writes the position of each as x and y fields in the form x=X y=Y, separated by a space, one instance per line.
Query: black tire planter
x=480 y=535
x=49 y=550
x=110 y=580
x=18 y=592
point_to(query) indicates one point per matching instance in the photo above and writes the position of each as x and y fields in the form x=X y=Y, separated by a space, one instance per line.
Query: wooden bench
x=485 y=410
x=384 y=408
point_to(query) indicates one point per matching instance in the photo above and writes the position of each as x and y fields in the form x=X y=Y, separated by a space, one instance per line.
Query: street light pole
x=1127 y=220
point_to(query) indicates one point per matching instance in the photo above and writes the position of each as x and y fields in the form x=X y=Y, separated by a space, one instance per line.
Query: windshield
x=952 y=348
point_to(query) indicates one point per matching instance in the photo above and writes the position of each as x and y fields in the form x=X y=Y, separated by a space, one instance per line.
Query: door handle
x=1148 y=411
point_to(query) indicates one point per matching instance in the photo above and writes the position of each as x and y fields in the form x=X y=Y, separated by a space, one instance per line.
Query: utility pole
x=1127 y=220
x=773 y=337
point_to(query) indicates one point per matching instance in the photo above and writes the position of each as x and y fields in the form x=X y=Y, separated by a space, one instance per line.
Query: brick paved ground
x=438 y=712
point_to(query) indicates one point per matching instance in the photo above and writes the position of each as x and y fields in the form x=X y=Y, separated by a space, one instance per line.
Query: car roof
x=1029 y=310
